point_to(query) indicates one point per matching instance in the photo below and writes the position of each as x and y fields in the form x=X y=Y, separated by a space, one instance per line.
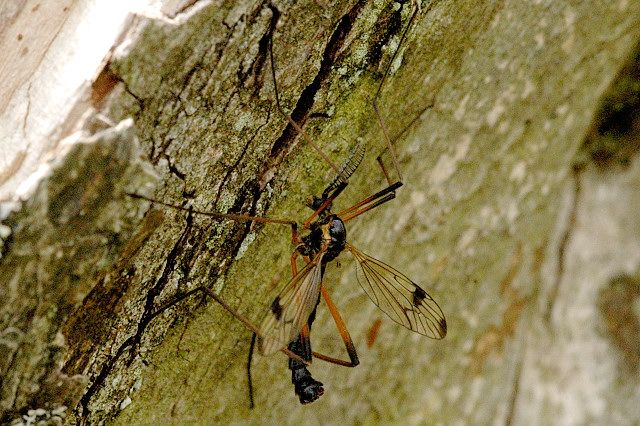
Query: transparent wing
x=290 y=310
x=398 y=297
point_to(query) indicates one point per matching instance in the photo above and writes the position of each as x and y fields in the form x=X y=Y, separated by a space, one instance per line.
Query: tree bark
x=517 y=129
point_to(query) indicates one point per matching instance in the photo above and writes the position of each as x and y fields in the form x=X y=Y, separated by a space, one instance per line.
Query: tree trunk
x=517 y=129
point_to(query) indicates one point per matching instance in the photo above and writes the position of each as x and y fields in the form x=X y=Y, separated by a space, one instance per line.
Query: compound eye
x=337 y=229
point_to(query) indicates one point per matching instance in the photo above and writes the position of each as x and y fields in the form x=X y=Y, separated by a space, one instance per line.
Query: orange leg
x=368 y=203
x=344 y=333
x=365 y=209
x=372 y=198
x=231 y=216
x=295 y=237
x=294 y=264
x=325 y=204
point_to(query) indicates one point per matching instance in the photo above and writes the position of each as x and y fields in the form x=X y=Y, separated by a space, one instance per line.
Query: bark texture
x=518 y=215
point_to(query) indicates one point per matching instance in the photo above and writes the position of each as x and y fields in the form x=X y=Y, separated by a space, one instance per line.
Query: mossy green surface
x=505 y=94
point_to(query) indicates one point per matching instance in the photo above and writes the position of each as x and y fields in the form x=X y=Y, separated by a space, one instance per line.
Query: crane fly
x=323 y=236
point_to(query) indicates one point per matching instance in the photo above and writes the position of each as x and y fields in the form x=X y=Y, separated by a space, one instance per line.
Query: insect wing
x=291 y=309
x=398 y=297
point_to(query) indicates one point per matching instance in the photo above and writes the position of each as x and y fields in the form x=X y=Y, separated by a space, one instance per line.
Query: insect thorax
x=328 y=230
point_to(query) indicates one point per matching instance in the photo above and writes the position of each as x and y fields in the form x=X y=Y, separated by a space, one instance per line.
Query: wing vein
x=399 y=297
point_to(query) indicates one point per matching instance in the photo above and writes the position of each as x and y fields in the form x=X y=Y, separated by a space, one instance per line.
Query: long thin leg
x=230 y=216
x=415 y=8
x=388 y=193
x=249 y=359
x=295 y=236
x=295 y=125
x=294 y=264
x=366 y=208
x=402 y=132
x=344 y=333
x=244 y=320
x=370 y=202
x=384 y=169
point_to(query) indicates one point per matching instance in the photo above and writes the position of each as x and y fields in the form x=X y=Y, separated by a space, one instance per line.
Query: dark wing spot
x=443 y=326
x=418 y=296
x=276 y=308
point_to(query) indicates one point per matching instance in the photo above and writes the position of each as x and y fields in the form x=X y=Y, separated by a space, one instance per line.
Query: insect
x=319 y=240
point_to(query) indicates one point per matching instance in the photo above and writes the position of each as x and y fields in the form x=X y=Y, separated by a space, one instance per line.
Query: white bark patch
x=245 y=245
x=243 y=120
x=59 y=50
x=447 y=164
x=495 y=113
x=571 y=366
x=518 y=172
